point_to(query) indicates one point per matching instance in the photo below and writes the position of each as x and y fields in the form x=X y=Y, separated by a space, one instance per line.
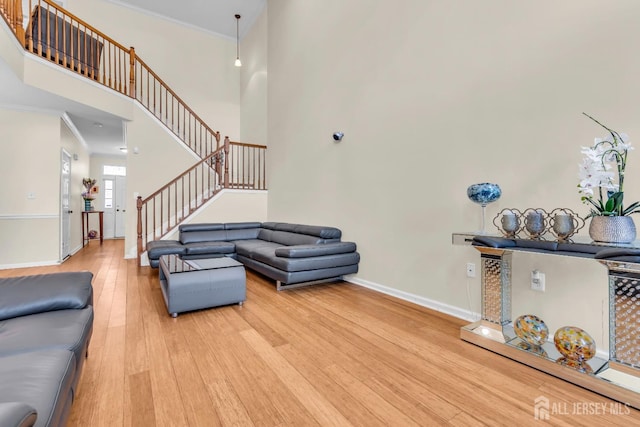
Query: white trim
x=416 y=299
x=28 y=264
x=74 y=130
x=28 y=216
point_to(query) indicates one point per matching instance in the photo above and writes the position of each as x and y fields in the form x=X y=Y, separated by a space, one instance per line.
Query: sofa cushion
x=157 y=248
x=247 y=247
x=288 y=239
x=312 y=230
x=187 y=237
x=304 y=251
x=62 y=329
x=26 y=295
x=41 y=379
x=199 y=248
x=243 y=233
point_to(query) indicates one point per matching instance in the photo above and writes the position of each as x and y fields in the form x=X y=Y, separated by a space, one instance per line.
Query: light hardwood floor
x=335 y=354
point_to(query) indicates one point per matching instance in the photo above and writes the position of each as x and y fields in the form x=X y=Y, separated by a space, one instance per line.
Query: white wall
x=253 y=100
x=30 y=189
x=432 y=97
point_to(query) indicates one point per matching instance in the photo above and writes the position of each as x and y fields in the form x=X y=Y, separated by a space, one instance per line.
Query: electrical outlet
x=537 y=281
x=471 y=269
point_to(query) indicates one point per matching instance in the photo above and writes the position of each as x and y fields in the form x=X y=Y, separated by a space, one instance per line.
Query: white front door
x=114 y=206
x=65 y=206
x=121 y=205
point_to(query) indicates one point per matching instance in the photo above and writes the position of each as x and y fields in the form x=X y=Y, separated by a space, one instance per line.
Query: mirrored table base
x=602 y=376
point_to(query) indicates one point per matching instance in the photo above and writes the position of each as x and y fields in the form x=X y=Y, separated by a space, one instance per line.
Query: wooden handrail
x=61 y=37
x=233 y=165
x=157 y=97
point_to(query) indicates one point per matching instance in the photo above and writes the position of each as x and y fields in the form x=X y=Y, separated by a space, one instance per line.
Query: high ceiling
x=215 y=16
x=102 y=132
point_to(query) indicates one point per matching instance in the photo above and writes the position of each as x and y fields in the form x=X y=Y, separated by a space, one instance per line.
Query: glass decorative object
x=535 y=222
x=564 y=223
x=574 y=344
x=483 y=194
x=531 y=329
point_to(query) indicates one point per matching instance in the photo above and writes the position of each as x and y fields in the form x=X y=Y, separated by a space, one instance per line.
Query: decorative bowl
x=484 y=193
x=531 y=329
x=574 y=343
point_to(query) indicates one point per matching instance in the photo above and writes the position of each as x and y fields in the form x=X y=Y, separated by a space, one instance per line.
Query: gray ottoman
x=201 y=283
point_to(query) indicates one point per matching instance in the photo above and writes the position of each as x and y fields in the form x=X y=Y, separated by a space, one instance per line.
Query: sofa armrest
x=17 y=414
x=26 y=295
x=307 y=251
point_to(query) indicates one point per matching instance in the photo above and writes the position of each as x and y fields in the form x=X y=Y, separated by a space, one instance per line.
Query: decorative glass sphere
x=484 y=193
x=531 y=329
x=574 y=343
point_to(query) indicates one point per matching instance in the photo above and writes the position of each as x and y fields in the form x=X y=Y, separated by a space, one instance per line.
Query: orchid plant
x=602 y=174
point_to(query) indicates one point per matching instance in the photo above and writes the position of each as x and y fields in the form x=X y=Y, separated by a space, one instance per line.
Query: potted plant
x=602 y=188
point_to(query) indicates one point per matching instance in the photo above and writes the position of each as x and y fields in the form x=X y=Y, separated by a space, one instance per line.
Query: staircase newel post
x=217 y=136
x=139 y=206
x=226 y=162
x=132 y=72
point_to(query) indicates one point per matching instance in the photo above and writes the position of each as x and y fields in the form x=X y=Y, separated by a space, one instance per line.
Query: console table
x=617 y=377
x=85 y=225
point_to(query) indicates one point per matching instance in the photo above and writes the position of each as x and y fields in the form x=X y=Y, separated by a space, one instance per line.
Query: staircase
x=64 y=39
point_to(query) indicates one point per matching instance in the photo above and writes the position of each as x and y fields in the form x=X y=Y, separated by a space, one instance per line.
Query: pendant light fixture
x=238 y=63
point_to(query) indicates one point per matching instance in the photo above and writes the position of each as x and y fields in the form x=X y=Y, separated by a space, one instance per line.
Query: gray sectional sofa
x=290 y=254
x=46 y=323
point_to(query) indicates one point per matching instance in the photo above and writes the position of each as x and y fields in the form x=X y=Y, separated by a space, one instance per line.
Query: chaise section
x=46 y=323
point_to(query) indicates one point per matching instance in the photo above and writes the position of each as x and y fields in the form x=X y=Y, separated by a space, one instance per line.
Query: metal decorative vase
x=612 y=229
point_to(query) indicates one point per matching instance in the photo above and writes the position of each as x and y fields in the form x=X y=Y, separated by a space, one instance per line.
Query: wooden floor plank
x=335 y=354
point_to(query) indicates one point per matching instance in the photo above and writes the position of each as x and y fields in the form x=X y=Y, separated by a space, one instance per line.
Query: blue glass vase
x=87 y=205
x=483 y=194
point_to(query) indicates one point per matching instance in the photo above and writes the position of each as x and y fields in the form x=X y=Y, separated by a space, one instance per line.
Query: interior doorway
x=65 y=205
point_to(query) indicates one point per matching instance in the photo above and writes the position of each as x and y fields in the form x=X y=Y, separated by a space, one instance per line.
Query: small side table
x=85 y=225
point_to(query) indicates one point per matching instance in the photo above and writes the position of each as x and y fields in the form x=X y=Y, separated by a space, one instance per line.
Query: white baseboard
x=29 y=264
x=416 y=299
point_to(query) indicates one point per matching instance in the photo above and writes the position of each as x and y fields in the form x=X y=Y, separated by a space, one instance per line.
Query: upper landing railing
x=61 y=37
